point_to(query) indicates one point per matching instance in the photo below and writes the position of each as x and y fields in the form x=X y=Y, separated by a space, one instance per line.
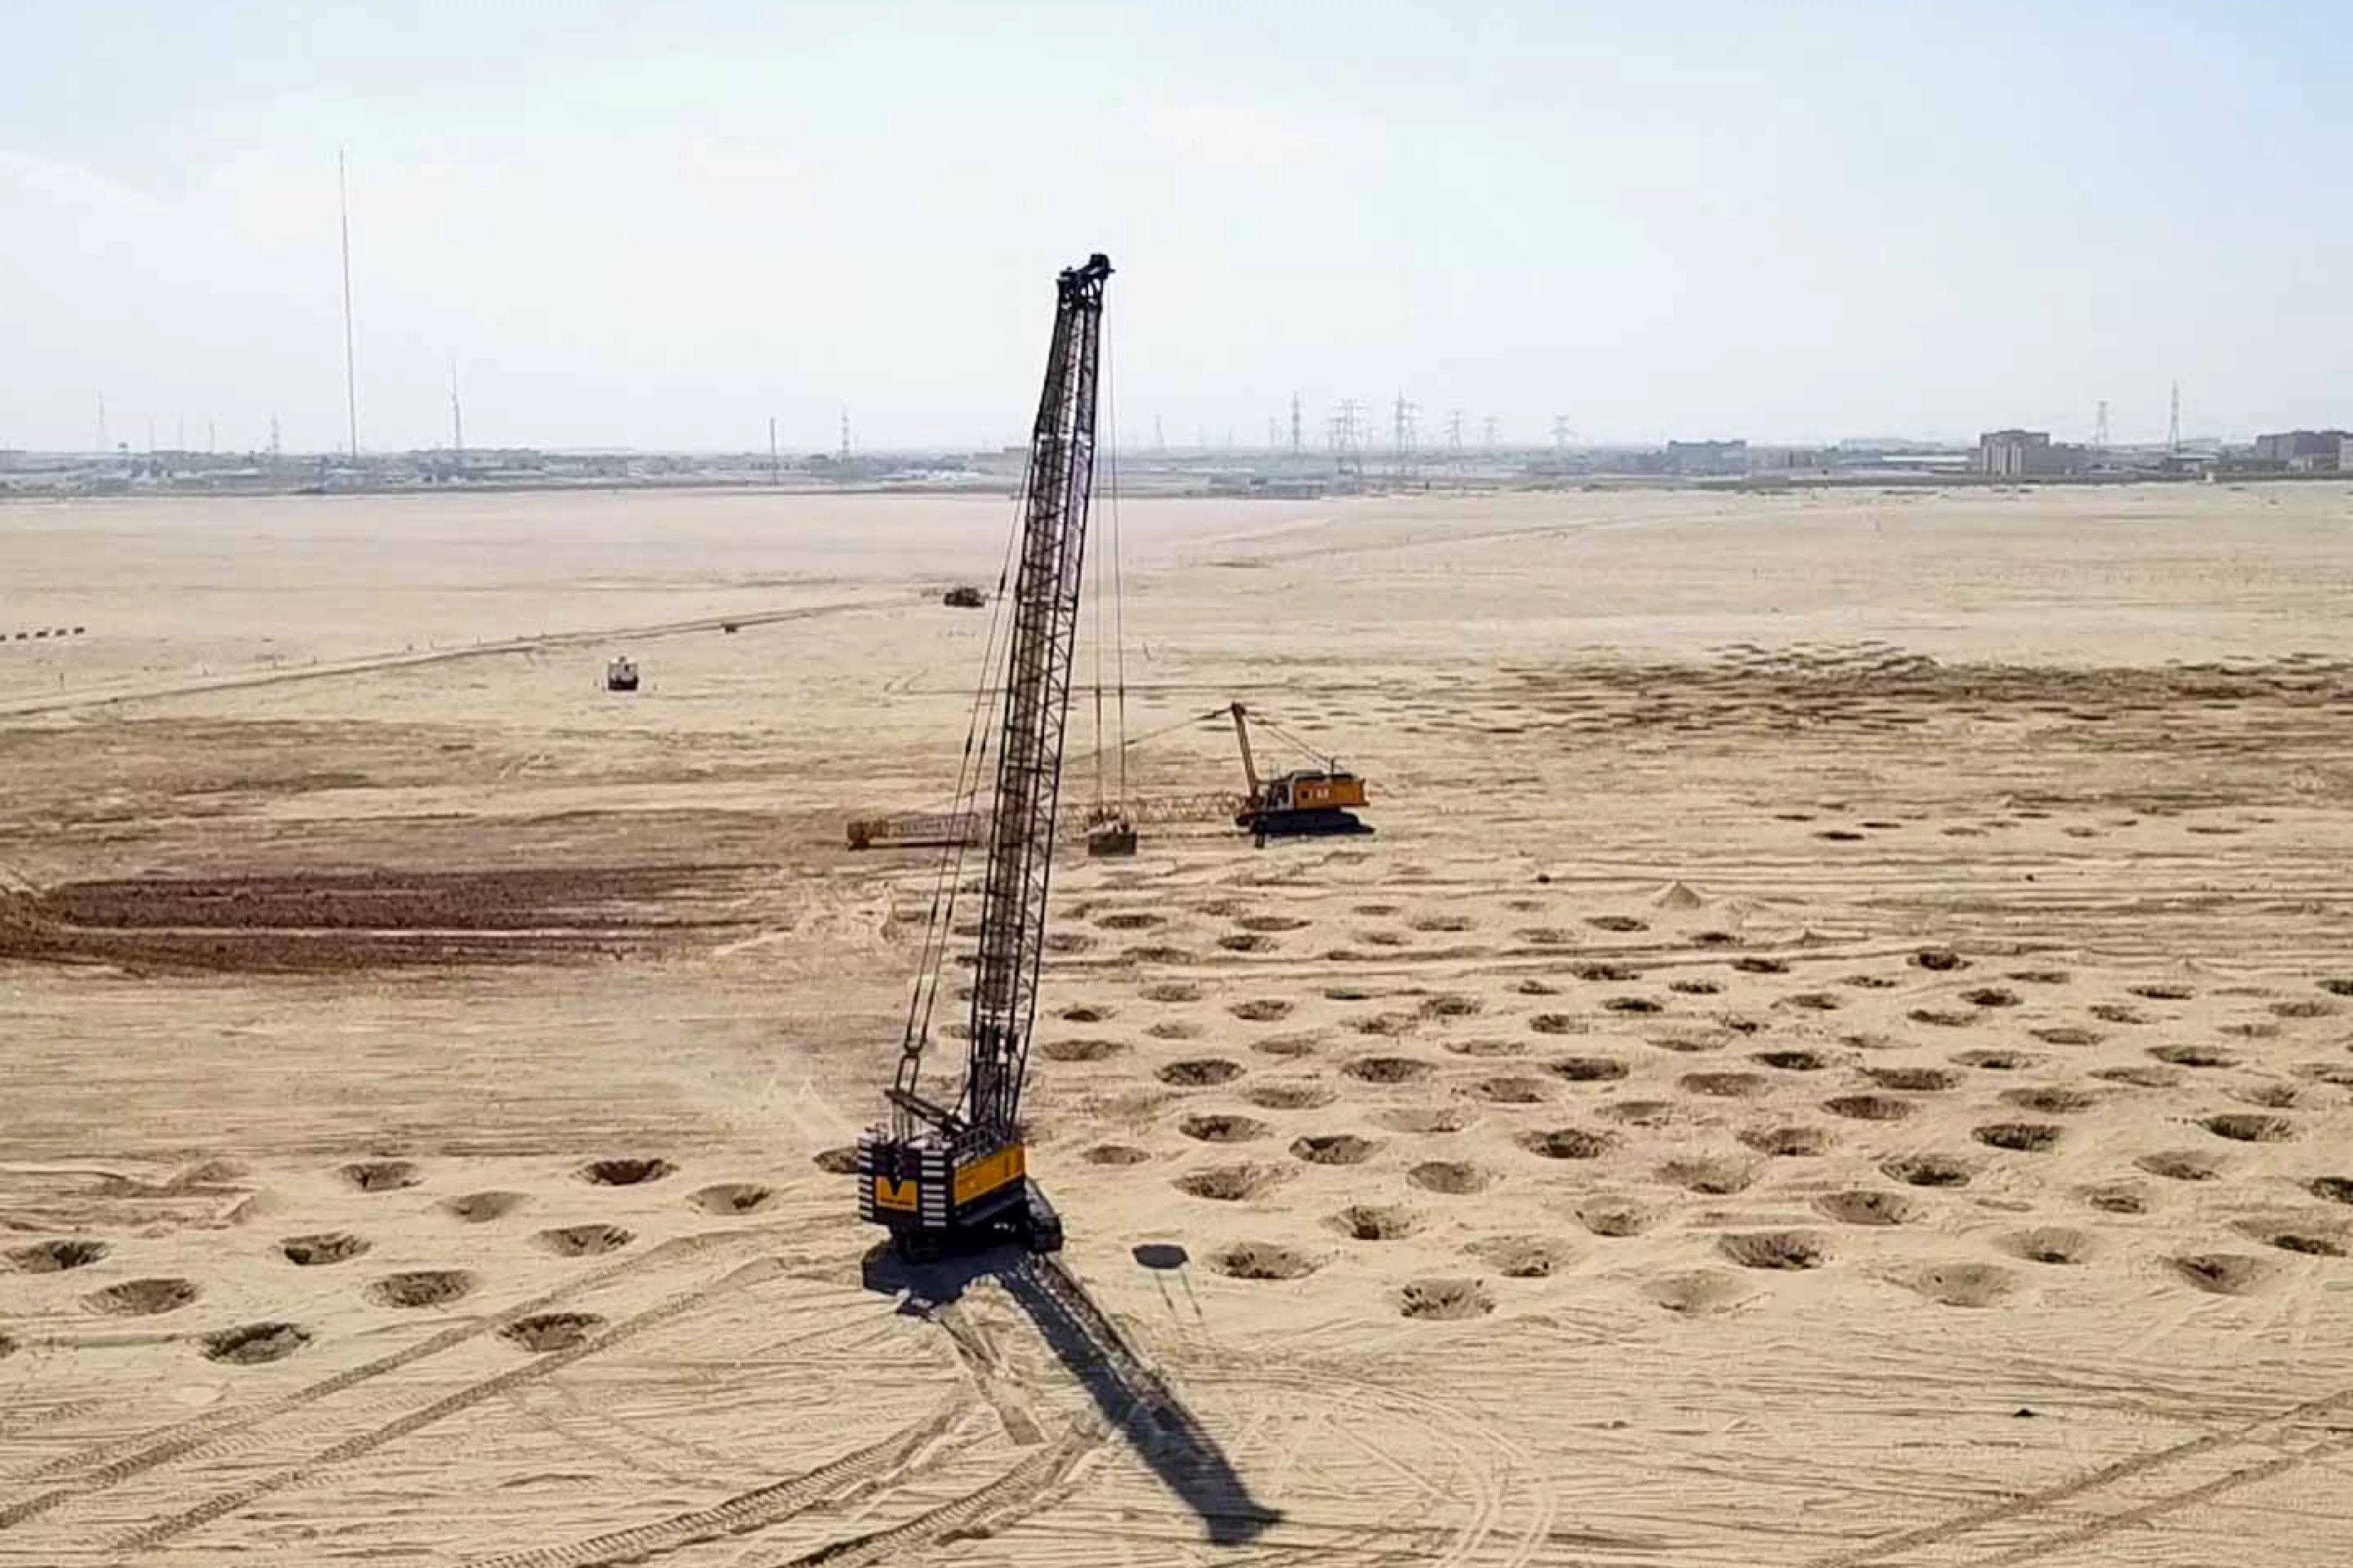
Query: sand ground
x=1837 y=1055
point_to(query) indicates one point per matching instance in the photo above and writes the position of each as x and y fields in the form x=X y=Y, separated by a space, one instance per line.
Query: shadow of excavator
x=1133 y=1398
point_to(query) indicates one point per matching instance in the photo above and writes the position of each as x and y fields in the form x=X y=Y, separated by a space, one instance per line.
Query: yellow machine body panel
x=990 y=1171
x=1336 y=790
x=902 y=1195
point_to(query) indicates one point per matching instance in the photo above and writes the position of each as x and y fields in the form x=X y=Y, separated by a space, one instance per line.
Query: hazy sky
x=657 y=223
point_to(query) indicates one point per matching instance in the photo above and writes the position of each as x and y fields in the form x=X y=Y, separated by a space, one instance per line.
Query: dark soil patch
x=1927 y=1171
x=1696 y=1293
x=1723 y=1085
x=1914 y=1079
x=1773 y=1249
x=2050 y=1101
x=2303 y=1007
x=2117 y=1197
x=731 y=1197
x=2019 y=1137
x=1137 y=920
x=2051 y=1244
x=1222 y=1129
x=1245 y=942
x=1751 y=965
x=1634 y=1005
x=552 y=1331
x=1508 y=1090
x=2162 y=993
x=1787 y=1142
x=2194 y=1056
x=2040 y=976
x=2339 y=986
x=1174 y=1030
x=1990 y=996
x=2335 y=1189
x=629 y=1172
x=1228 y=1183
x=57 y=1257
x=1609 y=972
x=1868 y=981
x=1587 y=1069
x=143 y=1298
x=1084 y=1013
x=1444 y=1299
x=1200 y=1072
x=1346 y=994
x=2115 y=1013
x=251 y=1345
x=382 y=1176
x=1455 y=1177
x=1170 y=990
x=1793 y=1061
x=1373 y=1222
x=2138 y=1076
x=1086 y=1050
x=1332 y=1149
x=1566 y=1143
x=2067 y=1035
x=1618 y=923
x=1555 y=1024
x=2181 y=1165
x=1271 y=923
x=2309 y=1245
x=421 y=1288
x=479 y=1208
x=1940 y=960
x=1640 y=1112
x=1942 y=1017
x=1867 y=1207
x=1260 y=1261
x=1994 y=1061
x=1261 y=1009
x=1387 y=1069
x=585 y=1241
x=1447 y=1004
x=1536 y=988
x=1421 y=1121
x=1287 y=1096
x=2246 y=1127
x=838 y=1162
x=1869 y=1107
x=2270 y=1095
x=317 y=1251
x=1694 y=987
x=1116 y=1154
x=1815 y=1001
x=2222 y=1273
x=1717 y=1177
x=1840 y=835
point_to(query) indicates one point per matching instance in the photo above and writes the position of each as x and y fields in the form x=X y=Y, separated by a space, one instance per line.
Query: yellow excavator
x=1301 y=801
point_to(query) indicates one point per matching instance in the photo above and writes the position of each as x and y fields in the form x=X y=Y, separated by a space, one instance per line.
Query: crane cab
x=1301 y=801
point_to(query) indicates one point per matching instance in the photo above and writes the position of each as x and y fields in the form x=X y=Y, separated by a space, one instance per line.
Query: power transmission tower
x=2100 y=428
x=1347 y=456
x=1560 y=434
x=2173 y=423
x=1296 y=449
x=1490 y=426
x=775 y=468
x=845 y=432
x=274 y=448
x=1454 y=438
x=1402 y=436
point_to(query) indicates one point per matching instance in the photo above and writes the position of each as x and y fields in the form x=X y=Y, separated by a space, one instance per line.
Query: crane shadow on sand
x=1133 y=1398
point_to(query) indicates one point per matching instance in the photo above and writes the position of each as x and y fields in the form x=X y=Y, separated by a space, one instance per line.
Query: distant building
x=2027 y=455
x=2305 y=451
x=1790 y=459
x=1700 y=460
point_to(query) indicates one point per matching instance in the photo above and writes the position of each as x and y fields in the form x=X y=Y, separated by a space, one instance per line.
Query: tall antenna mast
x=351 y=375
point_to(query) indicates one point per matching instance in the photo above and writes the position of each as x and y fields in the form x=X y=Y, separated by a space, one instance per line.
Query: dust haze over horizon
x=656 y=226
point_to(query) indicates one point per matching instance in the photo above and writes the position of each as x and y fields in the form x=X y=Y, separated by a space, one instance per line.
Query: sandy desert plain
x=1836 y=1056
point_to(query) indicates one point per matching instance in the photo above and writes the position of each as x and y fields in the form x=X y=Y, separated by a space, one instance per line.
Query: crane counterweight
x=943 y=1175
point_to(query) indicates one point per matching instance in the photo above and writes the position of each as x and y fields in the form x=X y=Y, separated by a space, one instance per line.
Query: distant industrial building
x=1704 y=459
x=2307 y=451
x=2027 y=455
